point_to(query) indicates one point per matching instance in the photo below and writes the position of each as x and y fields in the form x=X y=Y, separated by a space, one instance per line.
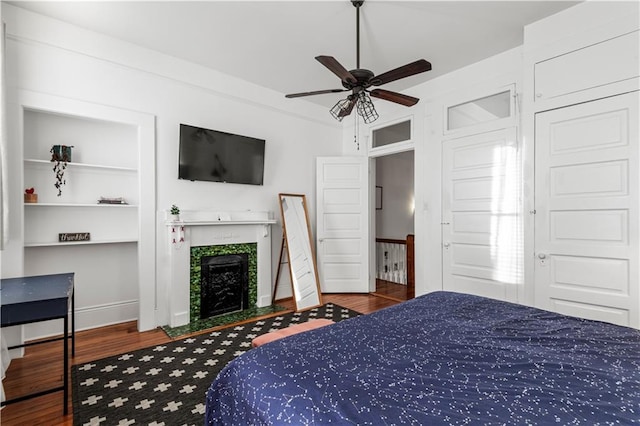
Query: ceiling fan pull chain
x=356 y=132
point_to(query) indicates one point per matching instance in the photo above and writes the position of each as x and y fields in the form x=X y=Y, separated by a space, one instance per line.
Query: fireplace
x=224 y=285
x=215 y=234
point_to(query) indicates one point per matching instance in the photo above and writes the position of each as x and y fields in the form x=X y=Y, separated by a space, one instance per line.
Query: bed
x=442 y=358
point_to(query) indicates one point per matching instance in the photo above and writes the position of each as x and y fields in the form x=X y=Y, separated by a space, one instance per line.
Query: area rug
x=166 y=384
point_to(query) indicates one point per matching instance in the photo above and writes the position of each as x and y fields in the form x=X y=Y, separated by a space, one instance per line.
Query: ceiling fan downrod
x=357 y=4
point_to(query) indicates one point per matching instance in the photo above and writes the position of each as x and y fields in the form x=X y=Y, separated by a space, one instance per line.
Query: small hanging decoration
x=177 y=235
x=60 y=156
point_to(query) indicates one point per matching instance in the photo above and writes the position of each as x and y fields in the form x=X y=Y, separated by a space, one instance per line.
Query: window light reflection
x=506 y=233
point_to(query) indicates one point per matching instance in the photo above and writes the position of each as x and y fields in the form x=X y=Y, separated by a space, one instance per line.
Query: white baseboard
x=86 y=318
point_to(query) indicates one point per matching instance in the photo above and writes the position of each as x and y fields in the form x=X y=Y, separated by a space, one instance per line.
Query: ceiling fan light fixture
x=365 y=108
x=341 y=109
x=358 y=80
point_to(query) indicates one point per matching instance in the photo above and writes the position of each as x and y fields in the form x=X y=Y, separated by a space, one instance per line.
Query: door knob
x=446 y=245
x=542 y=256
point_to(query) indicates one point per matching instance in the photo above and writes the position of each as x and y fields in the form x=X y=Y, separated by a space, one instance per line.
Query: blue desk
x=27 y=300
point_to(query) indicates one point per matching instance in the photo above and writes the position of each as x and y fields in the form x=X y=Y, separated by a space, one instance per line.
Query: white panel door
x=586 y=226
x=481 y=228
x=343 y=224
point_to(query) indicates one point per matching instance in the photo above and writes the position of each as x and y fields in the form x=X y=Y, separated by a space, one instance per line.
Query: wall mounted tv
x=211 y=155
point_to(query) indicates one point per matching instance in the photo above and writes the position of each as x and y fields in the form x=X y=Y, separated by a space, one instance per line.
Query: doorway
x=394 y=225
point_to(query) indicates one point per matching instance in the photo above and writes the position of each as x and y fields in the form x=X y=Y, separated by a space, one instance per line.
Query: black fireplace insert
x=224 y=286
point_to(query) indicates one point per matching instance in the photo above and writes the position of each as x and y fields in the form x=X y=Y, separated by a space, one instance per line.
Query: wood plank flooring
x=390 y=290
x=41 y=367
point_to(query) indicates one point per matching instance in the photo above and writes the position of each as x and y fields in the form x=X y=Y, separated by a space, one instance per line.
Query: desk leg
x=73 y=323
x=66 y=364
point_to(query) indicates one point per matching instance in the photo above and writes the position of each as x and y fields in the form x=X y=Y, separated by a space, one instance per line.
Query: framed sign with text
x=70 y=237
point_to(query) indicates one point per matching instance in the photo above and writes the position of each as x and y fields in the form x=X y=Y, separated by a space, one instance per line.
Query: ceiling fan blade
x=317 y=92
x=396 y=97
x=413 y=68
x=336 y=68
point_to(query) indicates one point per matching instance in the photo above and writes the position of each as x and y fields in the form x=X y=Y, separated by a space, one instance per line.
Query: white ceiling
x=273 y=44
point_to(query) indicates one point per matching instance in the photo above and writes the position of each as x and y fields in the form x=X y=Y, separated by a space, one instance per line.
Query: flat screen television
x=211 y=155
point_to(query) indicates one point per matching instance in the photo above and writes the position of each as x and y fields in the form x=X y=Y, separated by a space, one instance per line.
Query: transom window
x=394 y=133
x=482 y=110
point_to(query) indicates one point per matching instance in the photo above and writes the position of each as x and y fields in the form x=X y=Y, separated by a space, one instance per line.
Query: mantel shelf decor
x=177 y=235
x=175 y=213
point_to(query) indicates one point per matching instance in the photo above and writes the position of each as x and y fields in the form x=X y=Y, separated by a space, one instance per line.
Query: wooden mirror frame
x=303 y=271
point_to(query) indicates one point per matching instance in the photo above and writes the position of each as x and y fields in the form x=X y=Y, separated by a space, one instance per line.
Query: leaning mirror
x=302 y=261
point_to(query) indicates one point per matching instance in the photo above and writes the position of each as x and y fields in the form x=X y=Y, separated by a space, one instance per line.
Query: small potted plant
x=60 y=156
x=175 y=213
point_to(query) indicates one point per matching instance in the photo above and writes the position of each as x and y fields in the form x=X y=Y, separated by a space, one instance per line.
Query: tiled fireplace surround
x=201 y=228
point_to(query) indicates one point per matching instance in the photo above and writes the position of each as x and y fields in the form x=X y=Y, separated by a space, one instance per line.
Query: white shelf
x=80 y=205
x=83 y=165
x=79 y=243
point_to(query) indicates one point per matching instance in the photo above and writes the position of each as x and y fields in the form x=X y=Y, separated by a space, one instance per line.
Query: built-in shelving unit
x=112 y=157
x=110 y=150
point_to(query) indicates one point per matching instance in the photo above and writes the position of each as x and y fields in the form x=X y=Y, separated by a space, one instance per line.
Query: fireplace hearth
x=224 y=286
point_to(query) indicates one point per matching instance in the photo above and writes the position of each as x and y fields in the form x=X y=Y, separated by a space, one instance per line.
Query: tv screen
x=211 y=155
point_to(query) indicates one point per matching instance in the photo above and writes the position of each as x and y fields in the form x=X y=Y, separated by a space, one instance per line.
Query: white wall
x=394 y=173
x=48 y=56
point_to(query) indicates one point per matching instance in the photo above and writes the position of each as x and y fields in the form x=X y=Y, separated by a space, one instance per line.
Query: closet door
x=586 y=226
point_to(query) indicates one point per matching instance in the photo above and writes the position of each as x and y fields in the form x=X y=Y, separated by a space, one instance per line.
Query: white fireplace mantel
x=202 y=228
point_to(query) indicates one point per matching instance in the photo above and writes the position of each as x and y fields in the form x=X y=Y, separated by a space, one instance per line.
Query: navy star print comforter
x=442 y=358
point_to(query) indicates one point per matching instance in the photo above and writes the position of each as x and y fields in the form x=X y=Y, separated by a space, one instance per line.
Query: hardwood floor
x=41 y=367
x=389 y=290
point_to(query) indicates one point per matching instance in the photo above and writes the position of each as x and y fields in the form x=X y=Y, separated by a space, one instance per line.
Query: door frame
x=373 y=154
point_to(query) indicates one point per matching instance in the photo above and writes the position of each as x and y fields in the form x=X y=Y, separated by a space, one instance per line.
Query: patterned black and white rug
x=166 y=384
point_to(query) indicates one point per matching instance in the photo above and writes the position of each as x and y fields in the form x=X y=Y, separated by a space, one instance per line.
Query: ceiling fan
x=359 y=80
